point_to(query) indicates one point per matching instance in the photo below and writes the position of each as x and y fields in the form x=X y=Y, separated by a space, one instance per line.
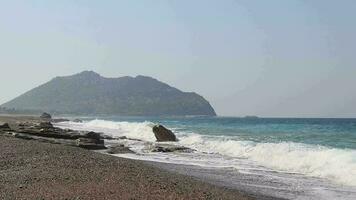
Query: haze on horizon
x=267 y=58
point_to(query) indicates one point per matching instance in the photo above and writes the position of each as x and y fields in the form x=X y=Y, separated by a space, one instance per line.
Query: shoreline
x=32 y=169
x=247 y=180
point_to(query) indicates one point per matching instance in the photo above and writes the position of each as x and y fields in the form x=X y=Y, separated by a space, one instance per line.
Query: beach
x=213 y=158
x=31 y=169
x=178 y=100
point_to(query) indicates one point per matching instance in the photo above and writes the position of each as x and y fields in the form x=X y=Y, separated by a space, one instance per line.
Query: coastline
x=135 y=142
x=31 y=169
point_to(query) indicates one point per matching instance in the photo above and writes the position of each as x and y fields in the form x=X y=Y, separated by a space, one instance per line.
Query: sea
x=289 y=158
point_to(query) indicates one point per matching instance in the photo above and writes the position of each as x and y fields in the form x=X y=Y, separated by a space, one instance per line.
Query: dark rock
x=46 y=125
x=46 y=116
x=46 y=132
x=59 y=120
x=46 y=129
x=22 y=136
x=50 y=133
x=5 y=127
x=93 y=135
x=163 y=134
x=166 y=148
x=89 y=143
x=78 y=121
x=119 y=149
x=107 y=137
x=86 y=143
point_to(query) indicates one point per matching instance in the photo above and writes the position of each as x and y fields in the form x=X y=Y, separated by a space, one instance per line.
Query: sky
x=272 y=58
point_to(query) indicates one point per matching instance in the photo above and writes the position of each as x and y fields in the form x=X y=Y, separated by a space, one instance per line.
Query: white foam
x=338 y=165
x=334 y=164
x=134 y=130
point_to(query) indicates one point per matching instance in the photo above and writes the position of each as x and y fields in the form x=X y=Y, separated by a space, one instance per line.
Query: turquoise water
x=337 y=133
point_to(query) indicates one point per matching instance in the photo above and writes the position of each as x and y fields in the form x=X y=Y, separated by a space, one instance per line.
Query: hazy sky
x=247 y=57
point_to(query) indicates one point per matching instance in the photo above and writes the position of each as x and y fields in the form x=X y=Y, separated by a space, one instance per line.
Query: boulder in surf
x=46 y=116
x=163 y=134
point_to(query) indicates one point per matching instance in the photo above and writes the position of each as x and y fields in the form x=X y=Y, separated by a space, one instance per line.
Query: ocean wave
x=338 y=165
x=133 y=130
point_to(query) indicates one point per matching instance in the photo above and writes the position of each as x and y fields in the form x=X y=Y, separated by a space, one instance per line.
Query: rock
x=46 y=116
x=22 y=136
x=119 y=149
x=107 y=137
x=46 y=132
x=163 y=134
x=90 y=140
x=167 y=148
x=89 y=143
x=46 y=125
x=93 y=135
x=5 y=127
x=78 y=121
x=25 y=124
x=59 y=120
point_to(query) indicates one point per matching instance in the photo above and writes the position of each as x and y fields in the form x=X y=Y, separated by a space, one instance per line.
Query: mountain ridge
x=89 y=93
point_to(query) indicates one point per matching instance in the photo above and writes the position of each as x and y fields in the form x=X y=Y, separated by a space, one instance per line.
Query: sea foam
x=133 y=130
x=337 y=165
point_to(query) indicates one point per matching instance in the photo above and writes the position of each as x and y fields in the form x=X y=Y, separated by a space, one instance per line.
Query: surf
x=334 y=164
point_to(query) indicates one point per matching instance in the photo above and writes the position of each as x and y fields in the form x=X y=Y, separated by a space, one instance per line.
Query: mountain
x=88 y=93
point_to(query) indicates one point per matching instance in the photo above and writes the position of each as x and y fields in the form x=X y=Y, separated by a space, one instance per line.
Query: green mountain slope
x=90 y=93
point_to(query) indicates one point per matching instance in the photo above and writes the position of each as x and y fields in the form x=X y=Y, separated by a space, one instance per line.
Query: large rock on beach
x=44 y=131
x=163 y=134
x=46 y=116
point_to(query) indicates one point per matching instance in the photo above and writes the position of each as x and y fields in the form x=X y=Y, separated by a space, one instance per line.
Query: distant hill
x=88 y=93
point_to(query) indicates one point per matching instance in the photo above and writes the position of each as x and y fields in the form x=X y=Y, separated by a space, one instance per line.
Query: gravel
x=37 y=170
